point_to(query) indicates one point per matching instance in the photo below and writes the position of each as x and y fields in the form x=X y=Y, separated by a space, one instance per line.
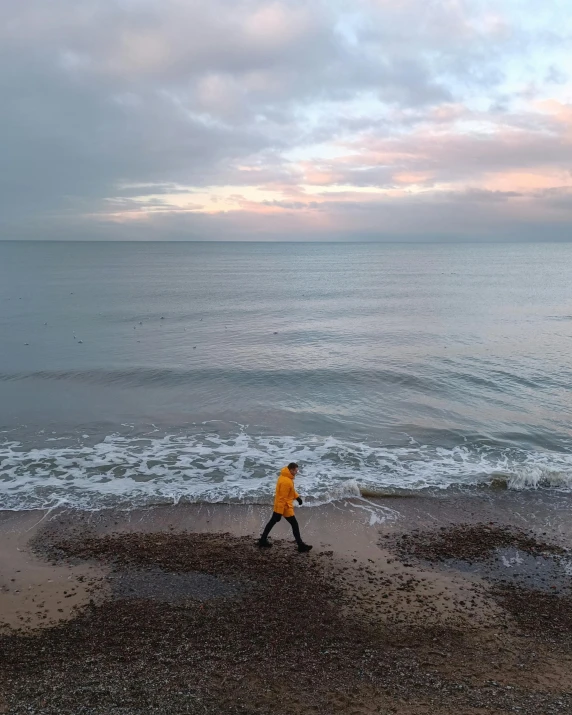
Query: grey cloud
x=374 y=161
x=484 y=196
x=293 y=204
x=176 y=95
x=445 y=216
x=559 y=198
x=63 y=139
x=152 y=188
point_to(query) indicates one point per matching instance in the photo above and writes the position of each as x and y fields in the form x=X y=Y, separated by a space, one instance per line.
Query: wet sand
x=174 y=610
x=33 y=591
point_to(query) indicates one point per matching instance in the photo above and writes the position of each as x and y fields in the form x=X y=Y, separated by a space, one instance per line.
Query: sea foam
x=241 y=468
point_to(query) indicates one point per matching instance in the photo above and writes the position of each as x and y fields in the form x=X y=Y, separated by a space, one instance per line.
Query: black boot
x=303 y=548
x=263 y=543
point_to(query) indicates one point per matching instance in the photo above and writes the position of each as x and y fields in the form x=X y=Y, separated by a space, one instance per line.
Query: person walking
x=284 y=507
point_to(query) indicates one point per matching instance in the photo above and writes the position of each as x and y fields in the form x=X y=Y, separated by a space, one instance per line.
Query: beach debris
x=182 y=606
x=206 y=623
x=534 y=609
x=471 y=542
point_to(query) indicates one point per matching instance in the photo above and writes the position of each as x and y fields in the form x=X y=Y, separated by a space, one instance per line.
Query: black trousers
x=275 y=519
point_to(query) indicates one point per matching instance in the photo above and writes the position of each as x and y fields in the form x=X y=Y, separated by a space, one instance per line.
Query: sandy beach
x=404 y=606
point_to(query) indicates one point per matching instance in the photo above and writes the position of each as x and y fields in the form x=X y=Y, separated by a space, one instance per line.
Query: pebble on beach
x=209 y=623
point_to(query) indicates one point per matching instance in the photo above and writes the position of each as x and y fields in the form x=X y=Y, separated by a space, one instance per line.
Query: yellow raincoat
x=285 y=493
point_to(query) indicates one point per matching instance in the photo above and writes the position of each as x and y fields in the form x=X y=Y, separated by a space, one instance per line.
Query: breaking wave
x=129 y=470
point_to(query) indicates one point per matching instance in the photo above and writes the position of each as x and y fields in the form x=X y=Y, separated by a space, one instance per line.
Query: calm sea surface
x=138 y=373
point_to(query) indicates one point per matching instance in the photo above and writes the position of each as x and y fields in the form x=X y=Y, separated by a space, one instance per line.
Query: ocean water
x=142 y=373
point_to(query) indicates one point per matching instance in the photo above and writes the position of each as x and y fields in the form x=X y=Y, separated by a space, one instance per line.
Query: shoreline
x=349 y=528
x=409 y=635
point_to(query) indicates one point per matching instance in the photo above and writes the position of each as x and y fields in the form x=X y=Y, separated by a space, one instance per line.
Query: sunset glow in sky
x=287 y=120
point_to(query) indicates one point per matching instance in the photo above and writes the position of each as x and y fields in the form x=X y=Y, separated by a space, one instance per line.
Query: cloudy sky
x=305 y=120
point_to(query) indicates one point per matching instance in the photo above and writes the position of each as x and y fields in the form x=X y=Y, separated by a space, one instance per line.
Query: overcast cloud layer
x=287 y=120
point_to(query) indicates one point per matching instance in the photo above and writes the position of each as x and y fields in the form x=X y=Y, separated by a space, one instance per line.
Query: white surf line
x=376 y=506
x=48 y=512
x=374 y=510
